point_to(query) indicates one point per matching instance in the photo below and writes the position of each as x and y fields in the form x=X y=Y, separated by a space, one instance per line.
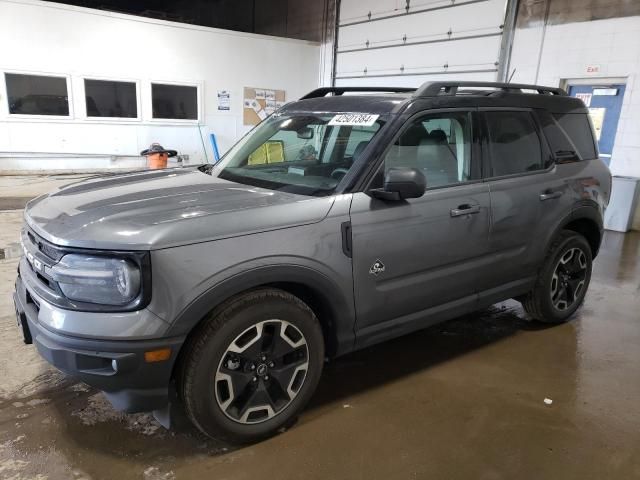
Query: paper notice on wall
x=259 y=103
x=597 y=117
x=270 y=106
x=224 y=100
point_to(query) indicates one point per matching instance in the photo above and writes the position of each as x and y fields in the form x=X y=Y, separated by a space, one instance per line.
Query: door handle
x=465 y=209
x=550 y=195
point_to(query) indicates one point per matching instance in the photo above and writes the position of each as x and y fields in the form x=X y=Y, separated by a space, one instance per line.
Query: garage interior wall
x=49 y=38
x=558 y=41
x=406 y=43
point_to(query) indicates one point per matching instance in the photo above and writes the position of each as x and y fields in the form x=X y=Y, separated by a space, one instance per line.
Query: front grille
x=43 y=257
x=43 y=246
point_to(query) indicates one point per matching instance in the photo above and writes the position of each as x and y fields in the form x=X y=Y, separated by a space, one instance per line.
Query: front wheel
x=563 y=280
x=252 y=366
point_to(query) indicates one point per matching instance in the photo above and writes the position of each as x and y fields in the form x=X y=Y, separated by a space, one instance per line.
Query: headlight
x=101 y=280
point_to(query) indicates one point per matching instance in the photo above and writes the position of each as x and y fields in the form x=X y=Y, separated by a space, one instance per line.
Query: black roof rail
x=323 y=91
x=432 y=89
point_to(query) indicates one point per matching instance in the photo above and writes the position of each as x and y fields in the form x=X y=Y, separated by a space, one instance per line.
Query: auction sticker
x=361 y=119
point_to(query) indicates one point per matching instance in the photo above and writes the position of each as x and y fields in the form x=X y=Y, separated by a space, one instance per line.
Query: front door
x=416 y=260
x=604 y=103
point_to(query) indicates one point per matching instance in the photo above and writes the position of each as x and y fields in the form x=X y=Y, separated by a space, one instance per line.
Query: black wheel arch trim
x=339 y=314
x=583 y=210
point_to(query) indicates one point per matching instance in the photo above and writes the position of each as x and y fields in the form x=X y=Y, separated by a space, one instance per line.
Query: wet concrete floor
x=465 y=399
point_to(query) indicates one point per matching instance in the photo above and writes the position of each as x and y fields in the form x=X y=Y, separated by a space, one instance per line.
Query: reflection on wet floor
x=464 y=399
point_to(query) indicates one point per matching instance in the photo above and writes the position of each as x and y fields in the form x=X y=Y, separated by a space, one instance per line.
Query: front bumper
x=116 y=367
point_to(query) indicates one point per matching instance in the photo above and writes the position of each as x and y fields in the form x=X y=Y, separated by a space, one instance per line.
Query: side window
x=562 y=147
x=514 y=143
x=439 y=145
x=577 y=127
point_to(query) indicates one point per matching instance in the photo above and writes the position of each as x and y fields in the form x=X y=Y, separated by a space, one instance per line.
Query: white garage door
x=408 y=42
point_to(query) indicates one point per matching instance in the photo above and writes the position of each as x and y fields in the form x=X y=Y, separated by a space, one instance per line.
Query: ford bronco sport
x=339 y=222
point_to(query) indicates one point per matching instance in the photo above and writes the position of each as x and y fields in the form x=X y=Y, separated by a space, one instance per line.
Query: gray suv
x=339 y=222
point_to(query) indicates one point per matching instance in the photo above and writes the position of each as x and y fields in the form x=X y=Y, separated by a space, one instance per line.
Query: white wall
x=470 y=59
x=614 y=46
x=44 y=37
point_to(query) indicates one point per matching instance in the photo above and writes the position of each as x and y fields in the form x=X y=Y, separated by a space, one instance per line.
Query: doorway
x=604 y=101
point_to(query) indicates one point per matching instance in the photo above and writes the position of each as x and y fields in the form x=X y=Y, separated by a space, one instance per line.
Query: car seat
x=437 y=160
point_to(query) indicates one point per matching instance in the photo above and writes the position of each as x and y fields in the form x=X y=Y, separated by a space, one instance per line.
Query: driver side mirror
x=400 y=184
x=305 y=133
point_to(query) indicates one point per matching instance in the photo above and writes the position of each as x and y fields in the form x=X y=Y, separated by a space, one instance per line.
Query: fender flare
x=338 y=326
x=585 y=209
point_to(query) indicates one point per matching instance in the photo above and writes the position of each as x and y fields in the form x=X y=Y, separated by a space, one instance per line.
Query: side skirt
x=425 y=318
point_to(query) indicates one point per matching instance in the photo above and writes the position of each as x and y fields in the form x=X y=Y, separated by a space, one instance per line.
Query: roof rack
x=324 y=91
x=432 y=89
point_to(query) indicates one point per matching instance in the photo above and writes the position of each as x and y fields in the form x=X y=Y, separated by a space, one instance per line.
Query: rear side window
x=577 y=127
x=514 y=143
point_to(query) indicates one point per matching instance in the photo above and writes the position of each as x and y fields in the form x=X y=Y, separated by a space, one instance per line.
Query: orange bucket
x=157 y=160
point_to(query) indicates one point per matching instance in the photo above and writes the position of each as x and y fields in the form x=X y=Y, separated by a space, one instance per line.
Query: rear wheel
x=253 y=366
x=563 y=280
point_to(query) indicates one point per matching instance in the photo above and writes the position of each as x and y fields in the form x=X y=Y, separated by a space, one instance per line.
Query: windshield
x=299 y=153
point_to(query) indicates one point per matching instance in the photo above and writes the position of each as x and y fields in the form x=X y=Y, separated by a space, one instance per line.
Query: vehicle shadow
x=389 y=361
x=87 y=426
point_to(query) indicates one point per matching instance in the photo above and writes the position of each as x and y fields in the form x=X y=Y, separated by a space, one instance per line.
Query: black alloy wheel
x=251 y=366
x=568 y=278
x=562 y=281
x=261 y=371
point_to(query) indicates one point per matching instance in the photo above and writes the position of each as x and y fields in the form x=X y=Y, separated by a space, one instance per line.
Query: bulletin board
x=259 y=103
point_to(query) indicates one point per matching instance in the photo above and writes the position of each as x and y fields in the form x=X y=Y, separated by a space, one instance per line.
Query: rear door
x=528 y=197
x=420 y=257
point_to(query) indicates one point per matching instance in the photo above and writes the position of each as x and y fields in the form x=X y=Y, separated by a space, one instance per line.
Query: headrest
x=438 y=136
x=413 y=135
x=359 y=148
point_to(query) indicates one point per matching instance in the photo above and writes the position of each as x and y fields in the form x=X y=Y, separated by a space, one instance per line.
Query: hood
x=164 y=208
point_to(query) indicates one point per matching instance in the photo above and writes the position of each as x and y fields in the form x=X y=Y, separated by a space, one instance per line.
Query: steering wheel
x=338 y=173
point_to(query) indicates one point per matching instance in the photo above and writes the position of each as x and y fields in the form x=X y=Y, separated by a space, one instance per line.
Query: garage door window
x=37 y=95
x=111 y=99
x=174 y=102
x=514 y=143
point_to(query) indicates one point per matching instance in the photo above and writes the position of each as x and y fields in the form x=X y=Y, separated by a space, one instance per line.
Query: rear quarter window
x=577 y=128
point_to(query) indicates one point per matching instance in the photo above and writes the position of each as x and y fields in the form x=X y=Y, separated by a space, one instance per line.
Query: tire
x=252 y=366
x=562 y=281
